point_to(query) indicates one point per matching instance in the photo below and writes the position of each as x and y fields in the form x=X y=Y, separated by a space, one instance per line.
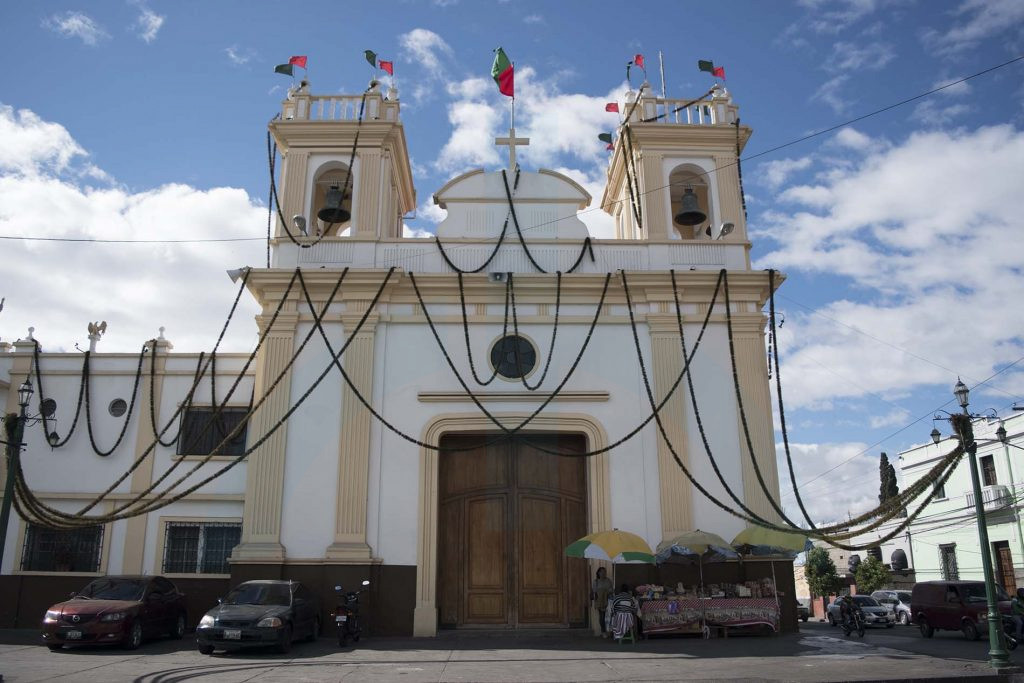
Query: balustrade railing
x=304 y=107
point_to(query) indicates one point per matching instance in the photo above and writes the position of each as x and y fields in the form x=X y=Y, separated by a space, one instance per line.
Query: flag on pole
x=612 y=106
x=388 y=67
x=610 y=146
x=639 y=61
x=299 y=60
x=502 y=71
x=286 y=69
x=605 y=137
x=371 y=57
x=718 y=72
x=706 y=65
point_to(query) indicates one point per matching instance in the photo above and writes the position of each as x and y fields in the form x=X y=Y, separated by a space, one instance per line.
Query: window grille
x=947 y=561
x=202 y=431
x=62 y=550
x=199 y=547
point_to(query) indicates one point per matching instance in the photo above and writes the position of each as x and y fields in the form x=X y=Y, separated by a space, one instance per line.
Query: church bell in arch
x=333 y=211
x=690 y=213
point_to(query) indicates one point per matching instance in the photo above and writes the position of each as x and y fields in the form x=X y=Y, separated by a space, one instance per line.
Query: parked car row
x=931 y=606
x=125 y=610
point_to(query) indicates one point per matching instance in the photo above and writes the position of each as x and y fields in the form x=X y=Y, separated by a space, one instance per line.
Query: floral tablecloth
x=685 y=615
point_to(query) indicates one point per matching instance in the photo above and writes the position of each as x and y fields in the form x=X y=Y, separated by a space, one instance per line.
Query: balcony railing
x=306 y=107
x=992 y=497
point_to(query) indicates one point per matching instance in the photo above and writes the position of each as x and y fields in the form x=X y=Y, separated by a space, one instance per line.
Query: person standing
x=599 y=591
x=1017 y=610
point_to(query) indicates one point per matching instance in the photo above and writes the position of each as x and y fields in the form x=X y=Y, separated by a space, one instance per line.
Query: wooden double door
x=507 y=511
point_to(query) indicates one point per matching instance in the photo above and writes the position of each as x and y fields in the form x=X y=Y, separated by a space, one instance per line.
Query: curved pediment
x=545 y=202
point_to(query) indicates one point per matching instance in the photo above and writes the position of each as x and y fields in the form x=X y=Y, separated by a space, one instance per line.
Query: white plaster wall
x=314 y=435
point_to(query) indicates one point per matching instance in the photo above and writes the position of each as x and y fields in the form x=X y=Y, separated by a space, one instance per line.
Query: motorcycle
x=1010 y=633
x=346 y=615
x=854 y=622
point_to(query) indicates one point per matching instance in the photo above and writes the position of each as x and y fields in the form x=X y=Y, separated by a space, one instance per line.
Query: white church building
x=457 y=493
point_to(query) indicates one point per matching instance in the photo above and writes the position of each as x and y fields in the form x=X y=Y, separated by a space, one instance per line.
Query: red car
x=117 y=609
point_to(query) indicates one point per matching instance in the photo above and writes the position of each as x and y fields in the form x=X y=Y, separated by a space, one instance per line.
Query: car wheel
x=970 y=630
x=926 y=630
x=134 y=637
x=285 y=646
x=904 y=618
x=831 y=619
x=206 y=649
x=178 y=632
x=315 y=633
x=54 y=646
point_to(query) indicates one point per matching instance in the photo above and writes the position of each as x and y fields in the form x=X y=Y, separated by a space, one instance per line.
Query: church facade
x=440 y=416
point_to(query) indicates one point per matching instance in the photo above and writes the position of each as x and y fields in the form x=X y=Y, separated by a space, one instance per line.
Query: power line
x=770 y=150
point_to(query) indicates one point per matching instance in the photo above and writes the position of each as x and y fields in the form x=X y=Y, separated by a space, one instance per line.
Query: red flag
x=387 y=66
x=719 y=72
x=610 y=147
x=612 y=106
x=298 y=61
x=638 y=60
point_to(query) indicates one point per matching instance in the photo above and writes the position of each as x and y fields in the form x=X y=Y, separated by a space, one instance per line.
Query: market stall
x=688 y=615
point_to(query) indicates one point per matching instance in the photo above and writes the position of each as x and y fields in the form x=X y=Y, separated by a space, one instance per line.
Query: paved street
x=818 y=653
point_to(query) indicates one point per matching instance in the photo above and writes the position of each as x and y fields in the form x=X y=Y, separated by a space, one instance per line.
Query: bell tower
x=674 y=175
x=325 y=186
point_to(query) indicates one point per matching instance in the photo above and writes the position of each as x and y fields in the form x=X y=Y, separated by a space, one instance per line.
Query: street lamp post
x=998 y=658
x=14 y=426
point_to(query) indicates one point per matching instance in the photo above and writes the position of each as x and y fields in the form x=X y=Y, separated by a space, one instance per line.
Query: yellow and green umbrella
x=759 y=540
x=618 y=547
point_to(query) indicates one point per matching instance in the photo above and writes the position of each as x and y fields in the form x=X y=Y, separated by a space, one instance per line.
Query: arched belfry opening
x=330 y=214
x=684 y=179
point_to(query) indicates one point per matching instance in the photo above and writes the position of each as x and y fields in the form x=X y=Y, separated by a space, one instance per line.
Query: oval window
x=513 y=357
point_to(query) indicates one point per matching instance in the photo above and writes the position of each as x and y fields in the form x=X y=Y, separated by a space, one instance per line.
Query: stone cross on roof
x=511 y=141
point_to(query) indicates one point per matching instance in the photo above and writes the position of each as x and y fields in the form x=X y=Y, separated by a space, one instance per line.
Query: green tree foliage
x=871 y=575
x=888 y=487
x=820 y=571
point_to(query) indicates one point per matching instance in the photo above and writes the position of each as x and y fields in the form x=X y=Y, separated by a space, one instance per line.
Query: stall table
x=687 y=615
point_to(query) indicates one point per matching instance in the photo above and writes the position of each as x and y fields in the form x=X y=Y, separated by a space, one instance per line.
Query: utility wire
x=770 y=150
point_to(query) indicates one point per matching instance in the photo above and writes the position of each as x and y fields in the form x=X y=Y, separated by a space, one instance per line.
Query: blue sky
x=900 y=235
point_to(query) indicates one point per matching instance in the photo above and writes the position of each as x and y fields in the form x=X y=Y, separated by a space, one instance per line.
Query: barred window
x=62 y=550
x=947 y=562
x=202 y=430
x=199 y=547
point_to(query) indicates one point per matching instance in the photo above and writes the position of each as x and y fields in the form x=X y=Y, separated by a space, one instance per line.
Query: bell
x=690 y=214
x=333 y=211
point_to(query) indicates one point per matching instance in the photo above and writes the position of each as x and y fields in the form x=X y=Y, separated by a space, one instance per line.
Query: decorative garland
x=631 y=179
x=128 y=415
x=465 y=329
x=554 y=332
x=494 y=252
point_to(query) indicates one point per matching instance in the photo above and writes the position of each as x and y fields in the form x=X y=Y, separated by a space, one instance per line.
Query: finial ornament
x=30 y=331
x=96 y=330
x=161 y=337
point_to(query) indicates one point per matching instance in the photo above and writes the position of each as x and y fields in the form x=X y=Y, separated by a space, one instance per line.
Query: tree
x=871 y=575
x=820 y=571
x=888 y=486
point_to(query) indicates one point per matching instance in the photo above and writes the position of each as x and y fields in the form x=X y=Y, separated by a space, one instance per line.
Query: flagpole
x=512 y=115
x=661 y=63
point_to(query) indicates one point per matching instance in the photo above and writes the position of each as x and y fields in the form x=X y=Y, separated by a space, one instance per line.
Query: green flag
x=502 y=71
x=706 y=65
x=371 y=57
x=286 y=69
x=605 y=137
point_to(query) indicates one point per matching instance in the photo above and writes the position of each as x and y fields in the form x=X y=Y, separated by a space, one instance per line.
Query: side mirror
x=337 y=588
x=366 y=582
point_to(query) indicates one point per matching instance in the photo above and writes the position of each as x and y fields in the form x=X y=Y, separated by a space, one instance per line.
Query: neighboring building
x=944 y=538
x=474 y=535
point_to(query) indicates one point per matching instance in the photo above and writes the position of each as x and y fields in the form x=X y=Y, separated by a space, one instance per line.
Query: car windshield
x=975 y=592
x=904 y=598
x=114 y=589
x=260 y=594
x=865 y=601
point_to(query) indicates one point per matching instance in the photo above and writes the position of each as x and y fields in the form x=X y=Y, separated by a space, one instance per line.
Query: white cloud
x=828 y=92
x=859 y=56
x=426 y=48
x=533 y=19
x=76 y=25
x=851 y=138
x=239 y=55
x=148 y=23
x=415 y=232
x=928 y=232
x=834 y=16
x=135 y=287
x=975 y=21
x=444 y=3
x=894 y=418
x=851 y=488
x=431 y=212
x=933 y=115
x=774 y=173
x=600 y=224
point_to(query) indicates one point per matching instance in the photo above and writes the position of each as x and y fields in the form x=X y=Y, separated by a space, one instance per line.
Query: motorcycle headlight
x=113 y=616
x=207 y=621
x=51 y=617
x=269 y=622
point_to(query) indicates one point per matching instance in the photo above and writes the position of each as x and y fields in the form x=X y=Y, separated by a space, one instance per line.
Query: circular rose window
x=513 y=357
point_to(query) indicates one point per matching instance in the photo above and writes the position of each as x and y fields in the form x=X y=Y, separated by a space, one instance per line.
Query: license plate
x=232 y=634
x=341 y=617
x=72 y=635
